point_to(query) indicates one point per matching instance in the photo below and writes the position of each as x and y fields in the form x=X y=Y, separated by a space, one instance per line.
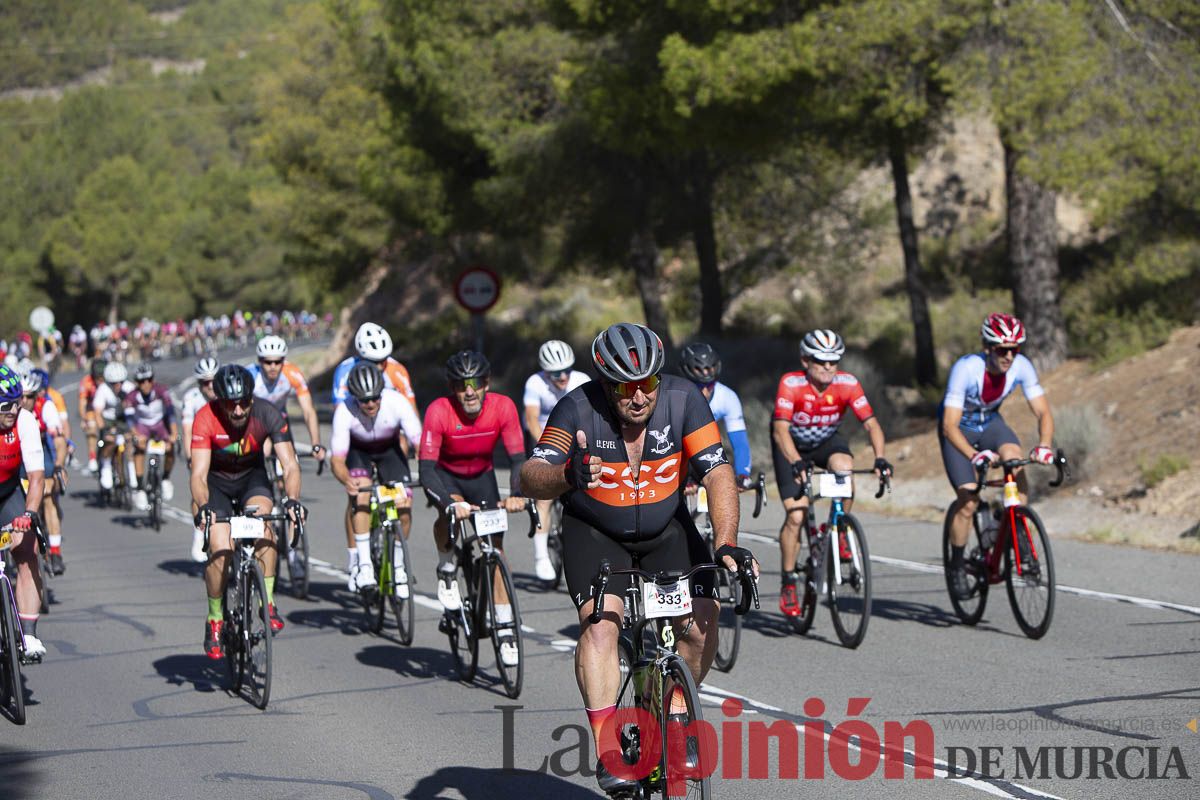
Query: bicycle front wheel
x=462 y=630
x=234 y=627
x=257 y=637
x=554 y=545
x=808 y=577
x=1030 y=580
x=849 y=573
x=298 y=572
x=511 y=674
x=398 y=586
x=729 y=623
x=683 y=757
x=374 y=603
x=969 y=609
x=12 y=692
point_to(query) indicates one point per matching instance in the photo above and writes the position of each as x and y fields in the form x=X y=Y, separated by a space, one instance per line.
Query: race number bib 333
x=666 y=600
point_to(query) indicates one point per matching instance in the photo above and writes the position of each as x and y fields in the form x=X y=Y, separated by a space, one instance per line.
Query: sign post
x=477 y=289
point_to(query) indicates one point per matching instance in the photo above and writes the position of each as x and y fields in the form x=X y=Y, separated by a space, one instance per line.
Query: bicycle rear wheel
x=462 y=630
x=512 y=676
x=257 y=637
x=849 y=597
x=808 y=576
x=1030 y=593
x=398 y=579
x=299 y=582
x=969 y=609
x=374 y=603
x=729 y=624
x=677 y=676
x=12 y=692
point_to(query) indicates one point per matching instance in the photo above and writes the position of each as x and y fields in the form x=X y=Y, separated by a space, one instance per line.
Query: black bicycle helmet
x=98 y=365
x=696 y=359
x=233 y=382
x=467 y=364
x=627 y=352
x=365 y=380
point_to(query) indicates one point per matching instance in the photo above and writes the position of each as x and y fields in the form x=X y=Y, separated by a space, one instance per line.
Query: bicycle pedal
x=26 y=660
x=445 y=625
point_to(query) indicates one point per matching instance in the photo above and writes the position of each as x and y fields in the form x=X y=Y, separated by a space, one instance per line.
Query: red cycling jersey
x=464 y=447
x=234 y=457
x=20 y=445
x=815 y=417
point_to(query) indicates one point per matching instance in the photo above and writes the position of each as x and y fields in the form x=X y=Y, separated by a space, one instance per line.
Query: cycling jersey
x=814 y=418
x=106 y=403
x=234 y=454
x=59 y=401
x=47 y=416
x=354 y=429
x=726 y=407
x=464 y=447
x=393 y=372
x=290 y=381
x=681 y=432
x=541 y=392
x=979 y=393
x=20 y=446
x=193 y=401
x=150 y=410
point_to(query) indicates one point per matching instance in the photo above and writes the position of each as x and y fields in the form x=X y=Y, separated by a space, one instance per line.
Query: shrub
x=1157 y=471
x=1082 y=433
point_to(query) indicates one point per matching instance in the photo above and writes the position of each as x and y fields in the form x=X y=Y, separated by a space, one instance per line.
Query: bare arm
x=542 y=480
x=286 y=453
x=783 y=440
x=1040 y=406
x=37 y=487
x=875 y=432
x=950 y=419
x=342 y=473
x=201 y=460
x=309 y=412
x=531 y=422
x=723 y=507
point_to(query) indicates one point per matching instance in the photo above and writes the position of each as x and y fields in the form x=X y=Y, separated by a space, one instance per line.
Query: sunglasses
x=826 y=363
x=628 y=389
x=231 y=404
x=9 y=407
x=1006 y=351
x=557 y=374
x=362 y=401
x=273 y=362
x=470 y=383
x=145 y=380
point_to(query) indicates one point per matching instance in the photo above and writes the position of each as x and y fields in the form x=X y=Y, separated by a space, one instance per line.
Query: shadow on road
x=907 y=611
x=199 y=670
x=182 y=566
x=488 y=784
x=414 y=662
x=19 y=776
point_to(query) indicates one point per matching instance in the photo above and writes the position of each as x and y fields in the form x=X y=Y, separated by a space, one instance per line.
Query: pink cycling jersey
x=464 y=447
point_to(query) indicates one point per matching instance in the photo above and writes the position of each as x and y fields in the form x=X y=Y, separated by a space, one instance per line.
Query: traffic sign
x=477 y=289
x=41 y=319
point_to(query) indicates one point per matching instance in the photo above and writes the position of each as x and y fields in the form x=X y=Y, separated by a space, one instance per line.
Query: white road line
x=933 y=569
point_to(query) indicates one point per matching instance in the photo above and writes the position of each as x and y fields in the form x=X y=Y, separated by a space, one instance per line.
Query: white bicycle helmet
x=823 y=345
x=206 y=369
x=115 y=372
x=372 y=342
x=555 y=356
x=25 y=366
x=31 y=383
x=272 y=347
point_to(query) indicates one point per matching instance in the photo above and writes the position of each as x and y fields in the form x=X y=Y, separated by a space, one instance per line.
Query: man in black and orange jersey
x=228 y=467
x=618 y=449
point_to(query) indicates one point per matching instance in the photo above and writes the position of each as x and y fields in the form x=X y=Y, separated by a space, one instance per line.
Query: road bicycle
x=299 y=568
x=652 y=672
x=246 y=635
x=156 y=453
x=120 y=496
x=841 y=575
x=481 y=571
x=391 y=559
x=729 y=623
x=1023 y=562
x=12 y=635
x=554 y=545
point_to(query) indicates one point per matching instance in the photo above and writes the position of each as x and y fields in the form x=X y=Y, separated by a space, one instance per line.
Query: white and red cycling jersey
x=20 y=445
x=290 y=381
x=814 y=417
x=353 y=428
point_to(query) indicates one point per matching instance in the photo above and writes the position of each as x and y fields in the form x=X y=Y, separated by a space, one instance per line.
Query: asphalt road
x=127 y=706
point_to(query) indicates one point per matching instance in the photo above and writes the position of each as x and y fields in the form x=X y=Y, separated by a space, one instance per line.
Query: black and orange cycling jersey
x=681 y=429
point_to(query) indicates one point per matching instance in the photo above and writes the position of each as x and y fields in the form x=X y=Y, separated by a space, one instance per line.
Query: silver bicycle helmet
x=627 y=351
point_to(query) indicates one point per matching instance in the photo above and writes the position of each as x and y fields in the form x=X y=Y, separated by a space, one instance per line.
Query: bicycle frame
x=994 y=558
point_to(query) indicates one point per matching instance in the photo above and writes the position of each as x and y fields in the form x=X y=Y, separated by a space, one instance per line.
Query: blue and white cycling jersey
x=979 y=395
x=727 y=407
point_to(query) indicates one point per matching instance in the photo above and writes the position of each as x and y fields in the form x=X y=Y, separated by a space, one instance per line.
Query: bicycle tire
x=154 y=494
x=806 y=581
x=969 y=610
x=729 y=623
x=373 y=602
x=1031 y=593
x=257 y=636
x=12 y=690
x=675 y=674
x=850 y=600
x=629 y=698
x=233 y=628
x=513 y=677
x=462 y=631
x=299 y=583
x=403 y=608
x=554 y=545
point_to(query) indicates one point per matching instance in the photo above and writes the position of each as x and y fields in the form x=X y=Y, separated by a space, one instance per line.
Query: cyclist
x=78 y=343
x=54 y=452
x=542 y=391
x=151 y=415
x=367 y=430
x=701 y=365
x=373 y=343
x=87 y=416
x=227 y=466
x=460 y=434
x=809 y=406
x=633 y=422
x=21 y=446
x=972 y=431
x=108 y=404
x=275 y=379
x=196 y=398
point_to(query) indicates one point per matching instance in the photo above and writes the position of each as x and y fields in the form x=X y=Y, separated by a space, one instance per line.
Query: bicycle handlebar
x=1060 y=465
x=530 y=508
x=885 y=480
x=760 y=494
x=744 y=573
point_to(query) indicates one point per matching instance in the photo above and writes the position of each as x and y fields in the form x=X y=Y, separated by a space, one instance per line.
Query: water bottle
x=1012 y=495
x=986 y=524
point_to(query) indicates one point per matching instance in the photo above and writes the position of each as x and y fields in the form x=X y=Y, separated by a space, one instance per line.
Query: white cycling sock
x=445 y=561
x=503 y=614
x=362 y=543
x=541 y=546
x=56 y=541
x=353 y=553
x=398 y=555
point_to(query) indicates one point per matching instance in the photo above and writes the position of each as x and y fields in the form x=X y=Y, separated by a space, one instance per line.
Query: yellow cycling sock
x=270 y=590
x=214 y=608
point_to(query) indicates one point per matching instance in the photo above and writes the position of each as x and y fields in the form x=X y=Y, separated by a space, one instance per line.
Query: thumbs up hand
x=583 y=470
